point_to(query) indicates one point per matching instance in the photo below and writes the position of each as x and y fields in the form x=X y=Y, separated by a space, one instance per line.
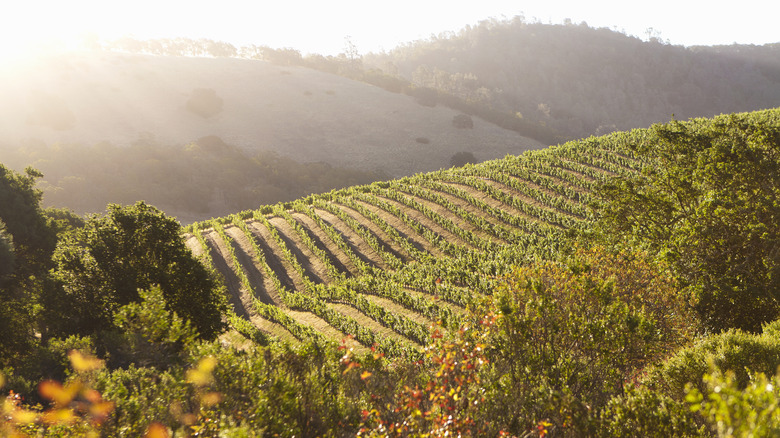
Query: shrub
x=709 y=205
x=150 y=336
x=646 y=413
x=735 y=411
x=462 y=121
x=570 y=336
x=204 y=102
x=732 y=351
x=103 y=265
x=462 y=158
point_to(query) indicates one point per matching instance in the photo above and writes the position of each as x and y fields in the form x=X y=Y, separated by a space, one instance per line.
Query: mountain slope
x=584 y=81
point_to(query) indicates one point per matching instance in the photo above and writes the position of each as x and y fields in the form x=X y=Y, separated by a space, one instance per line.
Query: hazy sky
x=320 y=26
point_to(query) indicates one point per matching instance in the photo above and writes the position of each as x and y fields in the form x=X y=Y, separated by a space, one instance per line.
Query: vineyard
x=380 y=264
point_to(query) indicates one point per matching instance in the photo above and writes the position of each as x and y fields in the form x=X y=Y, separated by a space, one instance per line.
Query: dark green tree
x=462 y=158
x=34 y=240
x=711 y=207
x=26 y=244
x=7 y=260
x=103 y=265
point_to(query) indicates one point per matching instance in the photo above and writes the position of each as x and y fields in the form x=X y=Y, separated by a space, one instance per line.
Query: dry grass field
x=310 y=116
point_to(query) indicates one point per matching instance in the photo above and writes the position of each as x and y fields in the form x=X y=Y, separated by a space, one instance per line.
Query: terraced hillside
x=380 y=264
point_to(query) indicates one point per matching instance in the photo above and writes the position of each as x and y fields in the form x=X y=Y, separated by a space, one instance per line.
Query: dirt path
x=423 y=220
x=314 y=267
x=384 y=240
x=370 y=323
x=493 y=202
x=273 y=256
x=399 y=309
x=564 y=183
x=517 y=194
x=321 y=239
x=353 y=240
x=265 y=290
x=404 y=230
x=473 y=209
x=458 y=310
x=321 y=326
x=576 y=173
x=239 y=297
x=457 y=220
x=193 y=244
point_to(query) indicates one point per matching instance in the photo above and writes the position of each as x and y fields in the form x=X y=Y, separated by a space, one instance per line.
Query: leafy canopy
x=103 y=265
x=710 y=207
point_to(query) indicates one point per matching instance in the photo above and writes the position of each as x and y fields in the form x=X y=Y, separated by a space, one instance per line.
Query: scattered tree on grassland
x=204 y=102
x=462 y=158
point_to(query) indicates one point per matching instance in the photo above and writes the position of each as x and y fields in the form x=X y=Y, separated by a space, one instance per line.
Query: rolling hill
x=381 y=263
x=580 y=81
x=93 y=98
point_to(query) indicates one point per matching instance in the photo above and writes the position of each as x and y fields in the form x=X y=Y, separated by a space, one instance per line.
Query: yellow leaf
x=55 y=392
x=22 y=416
x=211 y=398
x=207 y=364
x=365 y=375
x=201 y=376
x=101 y=409
x=82 y=362
x=58 y=416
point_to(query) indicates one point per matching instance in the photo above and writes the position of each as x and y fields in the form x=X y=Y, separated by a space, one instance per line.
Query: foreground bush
x=570 y=337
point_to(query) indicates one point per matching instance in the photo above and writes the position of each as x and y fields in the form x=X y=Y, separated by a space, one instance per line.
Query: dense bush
x=732 y=410
x=646 y=413
x=27 y=240
x=7 y=261
x=733 y=351
x=709 y=206
x=570 y=337
x=462 y=121
x=103 y=266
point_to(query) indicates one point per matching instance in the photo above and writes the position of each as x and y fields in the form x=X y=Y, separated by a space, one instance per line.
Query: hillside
x=384 y=261
x=582 y=81
x=92 y=98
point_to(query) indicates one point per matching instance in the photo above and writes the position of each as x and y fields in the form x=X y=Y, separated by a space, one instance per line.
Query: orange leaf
x=156 y=430
x=55 y=392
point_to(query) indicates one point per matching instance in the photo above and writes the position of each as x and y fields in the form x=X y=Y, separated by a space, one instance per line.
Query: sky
x=321 y=26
